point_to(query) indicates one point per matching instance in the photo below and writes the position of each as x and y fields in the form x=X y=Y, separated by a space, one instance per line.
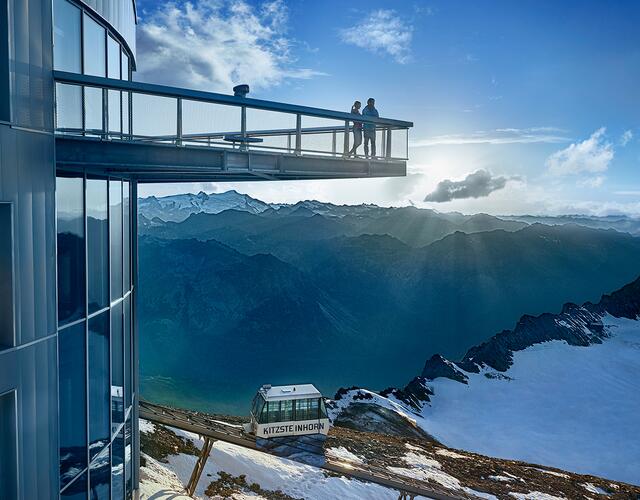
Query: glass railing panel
x=320 y=135
x=206 y=124
x=399 y=143
x=154 y=116
x=93 y=110
x=271 y=130
x=115 y=112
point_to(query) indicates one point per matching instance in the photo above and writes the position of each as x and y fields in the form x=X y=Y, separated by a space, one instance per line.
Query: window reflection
x=70 y=221
x=100 y=476
x=72 y=401
x=117 y=369
x=113 y=58
x=68 y=106
x=97 y=244
x=98 y=383
x=66 y=36
x=126 y=235
x=114 y=111
x=127 y=458
x=125 y=66
x=117 y=466
x=77 y=491
x=115 y=225
x=93 y=109
x=127 y=352
x=94 y=47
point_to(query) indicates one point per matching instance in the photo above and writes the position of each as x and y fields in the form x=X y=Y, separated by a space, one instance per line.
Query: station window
x=117 y=466
x=100 y=475
x=115 y=230
x=5 y=96
x=94 y=47
x=72 y=402
x=71 y=269
x=7 y=337
x=98 y=383
x=66 y=36
x=286 y=411
x=8 y=450
x=77 y=490
x=117 y=369
x=97 y=244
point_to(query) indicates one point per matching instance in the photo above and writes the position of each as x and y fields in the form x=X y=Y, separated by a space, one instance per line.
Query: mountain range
x=558 y=389
x=343 y=295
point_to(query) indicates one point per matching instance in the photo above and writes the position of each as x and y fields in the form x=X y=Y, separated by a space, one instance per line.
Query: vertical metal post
x=346 y=138
x=105 y=113
x=288 y=143
x=388 y=146
x=333 y=142
x=130 y=114
x=298 y=133
x=179 y=123
x=243 y=127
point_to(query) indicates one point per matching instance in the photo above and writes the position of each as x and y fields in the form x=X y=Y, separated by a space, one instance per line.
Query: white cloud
x=626 y=137
x=382 y=32
x=214 y=45
x=592 y=155
x=496 y=136
x=479 y=184
x=592 y=182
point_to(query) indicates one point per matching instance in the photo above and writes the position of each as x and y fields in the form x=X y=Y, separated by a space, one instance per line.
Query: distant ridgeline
x=321 y=293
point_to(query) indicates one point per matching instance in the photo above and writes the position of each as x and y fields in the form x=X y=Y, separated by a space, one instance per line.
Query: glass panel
x=7 y=279
x=154 y=115
x=125 y=112
x=9 y=449
x=286 y=411
x=318 y=135
x=72 y=401
x=94 y=47
x=117 y=466
x=127 y=351
x=115 y=231
x=125 y=66
x=70 y=219
x=127 y=458
x=93 y=109
x=280 y=127
x=113 y=58
x=399 y=143
x=323 y=409
x=97 y=244
x=68 y=106
x=274 y=411
x=98 y=383
x=66 y=36
x=114 y=111
x=100 y=476
x=117 y=375
x=77 y=491
x=212 y=119
x=126 y=236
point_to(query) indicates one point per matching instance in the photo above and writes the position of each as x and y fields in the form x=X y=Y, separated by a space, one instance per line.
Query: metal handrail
x=212 y=97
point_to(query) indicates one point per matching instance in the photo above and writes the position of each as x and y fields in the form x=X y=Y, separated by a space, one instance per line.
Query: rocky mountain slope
x=559 y=389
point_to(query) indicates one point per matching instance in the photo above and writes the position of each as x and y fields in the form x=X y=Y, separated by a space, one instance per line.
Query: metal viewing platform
x=156 y=133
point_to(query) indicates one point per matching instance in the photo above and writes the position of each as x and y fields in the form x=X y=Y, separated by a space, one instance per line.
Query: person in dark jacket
x=370 y=128
x=357 y=129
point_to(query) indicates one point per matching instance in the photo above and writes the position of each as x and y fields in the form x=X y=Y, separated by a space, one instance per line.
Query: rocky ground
x=417 y=457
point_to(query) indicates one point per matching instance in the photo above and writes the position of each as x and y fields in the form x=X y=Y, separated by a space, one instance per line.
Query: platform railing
x=117 y=110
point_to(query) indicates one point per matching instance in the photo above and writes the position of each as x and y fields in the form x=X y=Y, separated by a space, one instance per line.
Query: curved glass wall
x=95 y=341
x=83 y=45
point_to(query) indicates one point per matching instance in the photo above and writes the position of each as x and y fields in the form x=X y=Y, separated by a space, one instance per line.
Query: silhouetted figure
x=357 y=129
x=370 y=128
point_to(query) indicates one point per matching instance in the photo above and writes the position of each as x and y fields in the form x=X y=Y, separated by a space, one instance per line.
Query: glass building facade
x=95 y=343
x=68 y=350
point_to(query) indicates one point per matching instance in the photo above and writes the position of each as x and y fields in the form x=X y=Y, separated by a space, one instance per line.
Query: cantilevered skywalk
x=156 y=133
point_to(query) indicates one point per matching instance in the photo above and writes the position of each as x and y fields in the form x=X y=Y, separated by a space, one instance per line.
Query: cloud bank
x=497 y=136
x=214 y=45
x=382 y=32
x=479 y=184
x=591 y=156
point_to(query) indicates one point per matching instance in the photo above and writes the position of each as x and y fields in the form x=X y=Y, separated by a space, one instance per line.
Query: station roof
x=287 y=392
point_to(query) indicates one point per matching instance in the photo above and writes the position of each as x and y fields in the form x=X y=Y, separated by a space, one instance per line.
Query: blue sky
x=540 y=97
